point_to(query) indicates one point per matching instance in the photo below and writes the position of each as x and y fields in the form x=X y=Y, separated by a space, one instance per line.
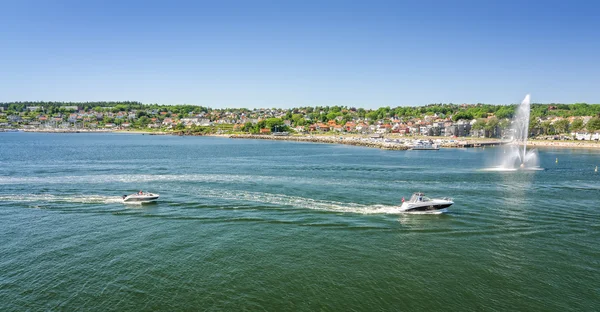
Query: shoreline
x=564 y=144
x=355 y=141
x=346 y=139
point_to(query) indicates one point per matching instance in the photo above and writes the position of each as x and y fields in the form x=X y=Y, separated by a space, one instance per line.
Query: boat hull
x=425 y=149
x=436 y=205
x=426 y=208
x=135 y=198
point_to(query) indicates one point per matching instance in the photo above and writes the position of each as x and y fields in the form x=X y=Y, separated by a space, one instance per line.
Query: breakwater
x=356 y=141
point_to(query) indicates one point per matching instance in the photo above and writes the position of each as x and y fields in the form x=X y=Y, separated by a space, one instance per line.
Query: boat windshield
x=419 y=197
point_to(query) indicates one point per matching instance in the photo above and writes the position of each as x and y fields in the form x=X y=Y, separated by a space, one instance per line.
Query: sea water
x=272 y=225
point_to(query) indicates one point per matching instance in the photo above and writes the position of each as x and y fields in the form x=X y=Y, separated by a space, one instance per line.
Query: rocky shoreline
x=391 y=145
x=564 y=144
x=355 y=141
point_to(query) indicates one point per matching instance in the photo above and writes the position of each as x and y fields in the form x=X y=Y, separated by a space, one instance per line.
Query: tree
x=505 y=112
x=492 y=123
x=492 y=127
x=561 y=126
x=593 y=124
x=180 y=126
x=479 y=124
x=547 y=127
x=462 y=115
x=577 y=124
x=248 y=126
x=332 y=116
x=296 y=117
x=271 y=123
x=372 y=115
x=534 y=125
x=504 y=124
x=361 y=113
x=143 y=122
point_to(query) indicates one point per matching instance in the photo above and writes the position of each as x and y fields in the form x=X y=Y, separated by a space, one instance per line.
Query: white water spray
x=516 y=158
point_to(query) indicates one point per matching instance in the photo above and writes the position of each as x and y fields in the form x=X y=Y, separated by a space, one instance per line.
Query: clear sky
x=300 y=53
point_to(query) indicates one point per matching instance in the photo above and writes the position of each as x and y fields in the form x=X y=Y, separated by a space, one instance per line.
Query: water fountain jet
x=517 y=158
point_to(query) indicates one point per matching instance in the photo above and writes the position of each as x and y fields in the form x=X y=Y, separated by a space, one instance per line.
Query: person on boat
x=141 y=193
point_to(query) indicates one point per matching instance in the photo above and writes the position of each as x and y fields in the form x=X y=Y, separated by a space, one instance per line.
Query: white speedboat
x=141 y=197
x=420 y=203
x=424 y=145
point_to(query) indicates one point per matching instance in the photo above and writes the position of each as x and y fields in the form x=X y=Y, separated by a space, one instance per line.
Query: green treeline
x=325 y=113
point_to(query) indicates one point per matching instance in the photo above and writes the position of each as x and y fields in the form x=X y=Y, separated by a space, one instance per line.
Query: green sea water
x=276 y=226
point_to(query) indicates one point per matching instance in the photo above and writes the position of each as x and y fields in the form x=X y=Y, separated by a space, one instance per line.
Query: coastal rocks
x=356 y=141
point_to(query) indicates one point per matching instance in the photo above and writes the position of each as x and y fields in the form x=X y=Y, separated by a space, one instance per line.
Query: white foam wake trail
x=144 y=178
x=85 y=199
x=300 y=202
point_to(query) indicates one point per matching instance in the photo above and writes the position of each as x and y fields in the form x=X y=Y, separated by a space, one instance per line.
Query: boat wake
x=306 y=203
x=163 y=178
x=279 y=201
x=82 y=199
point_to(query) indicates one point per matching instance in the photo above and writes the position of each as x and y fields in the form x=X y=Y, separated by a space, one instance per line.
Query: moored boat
x=424 y=145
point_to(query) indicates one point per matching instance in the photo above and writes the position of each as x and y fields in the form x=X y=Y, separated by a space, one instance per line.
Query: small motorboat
x=140 y=197
x=418 y=202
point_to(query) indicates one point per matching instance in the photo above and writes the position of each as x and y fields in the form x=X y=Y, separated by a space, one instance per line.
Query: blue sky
x=300 y=53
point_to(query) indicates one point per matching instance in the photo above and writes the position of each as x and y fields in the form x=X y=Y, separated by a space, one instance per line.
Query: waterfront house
x=361 y=127
x=383 y=128
x=350 y=126
x=190 y=121
x=322 y=127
